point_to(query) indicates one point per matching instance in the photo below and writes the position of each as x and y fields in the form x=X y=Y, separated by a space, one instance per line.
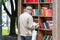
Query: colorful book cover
x=30 y=1
x=42 y=25
x=44 y=1
x=44 y=10
x=40 y=12
x=37 y=1
x=50 y=12
x=47 y=25
x=49 y=0
x=36 y=11
x=27 y=1
x=33 y=1
x=45 y=37
x=41 y=0
x=50 y=24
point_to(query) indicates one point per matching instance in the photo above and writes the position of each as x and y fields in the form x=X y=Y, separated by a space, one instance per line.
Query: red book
x=30 y=1
x=37 y=1
x=49 y=0
x=33 y=1
x=42 y=25
x=50 y=12
x=27 y=1
x=44 y=10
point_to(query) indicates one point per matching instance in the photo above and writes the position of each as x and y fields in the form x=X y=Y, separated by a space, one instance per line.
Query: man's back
x=24 y=19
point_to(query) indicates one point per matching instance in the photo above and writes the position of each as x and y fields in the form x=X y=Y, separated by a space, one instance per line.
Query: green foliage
x=3 y=1
x=4 y=32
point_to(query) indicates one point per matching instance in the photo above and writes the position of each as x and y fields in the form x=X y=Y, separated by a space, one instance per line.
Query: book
x=49 y=0
x=36 y=12
x=40 y=12
x=36 y=1
x=47 y=25
x=47 y=12
x=41 y=0
x=42 y=25
x=50 y=12
x=45 y=37
x=32 y=1
x=29 y=1
x=44 y=11
x=50 y=24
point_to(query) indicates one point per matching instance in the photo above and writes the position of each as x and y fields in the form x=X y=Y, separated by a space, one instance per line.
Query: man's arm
x=30 y=24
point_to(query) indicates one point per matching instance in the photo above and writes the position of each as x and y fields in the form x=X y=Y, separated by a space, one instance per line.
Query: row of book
x=47 y=37
x=43 y=12
x=46 y=25
x=45 y=0
x=34 y=1
x=46 y=12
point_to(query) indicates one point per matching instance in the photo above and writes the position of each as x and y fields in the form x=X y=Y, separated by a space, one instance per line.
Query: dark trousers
x=26 y=37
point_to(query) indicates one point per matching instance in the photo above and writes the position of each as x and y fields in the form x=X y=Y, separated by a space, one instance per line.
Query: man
x=26 y=24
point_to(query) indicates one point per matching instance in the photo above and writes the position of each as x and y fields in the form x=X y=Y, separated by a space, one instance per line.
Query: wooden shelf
x=35 y=16
x=42 y=16
x=29 y=3
x=39 y=3
x=46 y=2
x=46 y=31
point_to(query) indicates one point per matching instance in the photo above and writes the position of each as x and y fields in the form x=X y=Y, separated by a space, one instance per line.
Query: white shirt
x=26 y=24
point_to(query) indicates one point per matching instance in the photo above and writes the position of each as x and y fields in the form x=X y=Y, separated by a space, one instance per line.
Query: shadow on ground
x=9 y=37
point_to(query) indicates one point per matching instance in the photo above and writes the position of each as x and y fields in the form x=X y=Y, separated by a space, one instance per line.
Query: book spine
x=41 y=0
x=49 y=12
x=36 y=1
x=49 y=0
x=42 y=25
x=36 y=11
x=47 y=25
x=40 y=12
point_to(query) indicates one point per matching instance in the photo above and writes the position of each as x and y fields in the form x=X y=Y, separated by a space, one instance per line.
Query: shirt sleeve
x=30 y=23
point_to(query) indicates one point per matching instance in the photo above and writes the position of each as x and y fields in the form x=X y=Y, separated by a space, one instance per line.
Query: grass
x=6 y=32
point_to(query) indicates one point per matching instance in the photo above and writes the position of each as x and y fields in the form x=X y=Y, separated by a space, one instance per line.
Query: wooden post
x=40 y=34
x=19 y=12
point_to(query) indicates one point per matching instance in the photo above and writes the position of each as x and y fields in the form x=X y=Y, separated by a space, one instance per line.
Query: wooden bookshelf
x=39 y=18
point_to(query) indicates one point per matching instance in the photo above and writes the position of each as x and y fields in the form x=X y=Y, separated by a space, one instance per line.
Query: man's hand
x=36 y=25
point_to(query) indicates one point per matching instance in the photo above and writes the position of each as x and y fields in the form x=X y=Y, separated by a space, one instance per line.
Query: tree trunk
x=12 y=26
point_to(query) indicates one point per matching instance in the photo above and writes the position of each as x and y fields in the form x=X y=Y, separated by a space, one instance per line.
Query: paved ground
x=9 y=38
